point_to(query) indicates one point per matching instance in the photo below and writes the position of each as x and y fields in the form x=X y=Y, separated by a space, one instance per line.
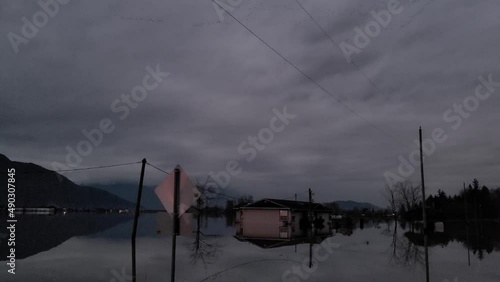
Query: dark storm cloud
x=225 y=83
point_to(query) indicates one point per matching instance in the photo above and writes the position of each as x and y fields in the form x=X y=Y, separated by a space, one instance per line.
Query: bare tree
x=408 y=194
x=390 y=194
x=415 y=195
x=404 y=199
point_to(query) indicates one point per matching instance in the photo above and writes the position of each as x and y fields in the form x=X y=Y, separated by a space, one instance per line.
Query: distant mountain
x=128 y=191
x=351 y=205
x=40 y=187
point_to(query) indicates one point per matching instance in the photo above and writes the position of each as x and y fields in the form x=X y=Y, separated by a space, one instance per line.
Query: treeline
x=356 y=212
x=235 y=203
x=476 y=202
x=473 y=203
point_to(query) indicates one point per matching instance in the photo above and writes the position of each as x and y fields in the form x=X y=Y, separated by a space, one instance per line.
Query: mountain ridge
x=39 y=187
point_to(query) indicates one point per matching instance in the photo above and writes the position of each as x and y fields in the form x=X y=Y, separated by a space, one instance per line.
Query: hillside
x=40 y=187
x=128 y=191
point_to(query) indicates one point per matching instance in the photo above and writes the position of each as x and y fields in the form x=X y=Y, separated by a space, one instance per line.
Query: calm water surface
x=87 y=247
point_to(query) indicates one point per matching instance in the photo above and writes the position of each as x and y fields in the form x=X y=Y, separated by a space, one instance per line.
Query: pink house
x=281 y=219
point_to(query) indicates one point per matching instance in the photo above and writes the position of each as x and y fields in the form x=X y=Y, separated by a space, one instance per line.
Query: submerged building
x=274 y=219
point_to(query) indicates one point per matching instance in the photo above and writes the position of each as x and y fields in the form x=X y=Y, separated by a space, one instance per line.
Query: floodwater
x=87 y=247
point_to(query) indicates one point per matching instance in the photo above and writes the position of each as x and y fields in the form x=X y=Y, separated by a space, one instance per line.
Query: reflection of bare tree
x=391 y=231
x=394 y=234
x=403 y=251
x=202 y=248
x=408 y=253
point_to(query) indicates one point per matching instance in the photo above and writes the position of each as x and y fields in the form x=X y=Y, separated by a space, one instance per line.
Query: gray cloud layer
x=224 y=84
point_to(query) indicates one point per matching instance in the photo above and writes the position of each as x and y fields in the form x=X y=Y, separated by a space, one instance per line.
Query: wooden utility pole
x=310 y=209
x=136 y=219
x=177 y=186
x=310 y=227
x=424 y=206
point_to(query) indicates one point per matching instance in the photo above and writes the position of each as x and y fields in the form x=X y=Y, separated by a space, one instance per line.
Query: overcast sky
x=224 y=84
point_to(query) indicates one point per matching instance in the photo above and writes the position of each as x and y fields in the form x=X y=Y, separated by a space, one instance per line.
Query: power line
x=308 y=77
x=97 y=167
x=74 y=169
x=417 y=13
x=340 y=49
x=157 y=168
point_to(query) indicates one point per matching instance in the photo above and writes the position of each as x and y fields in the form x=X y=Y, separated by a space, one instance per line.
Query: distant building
x=274 y=219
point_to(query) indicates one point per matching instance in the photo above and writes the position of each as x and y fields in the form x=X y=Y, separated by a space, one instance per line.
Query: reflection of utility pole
x=423 y=207
x=310 y=227
x=466 y=224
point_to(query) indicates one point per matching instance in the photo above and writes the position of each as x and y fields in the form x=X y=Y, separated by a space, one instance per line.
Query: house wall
x=262 y=223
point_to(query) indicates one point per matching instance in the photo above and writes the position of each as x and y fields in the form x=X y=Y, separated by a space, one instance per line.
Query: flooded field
x=97 y=248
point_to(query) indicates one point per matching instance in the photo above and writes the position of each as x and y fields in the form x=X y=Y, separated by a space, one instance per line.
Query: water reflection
x=264 y=236
x=408 y=248
x=481 y=238
x=405 y=252
x=270 y=243
x=40 y=233
x=204 y=246
x=212 y=249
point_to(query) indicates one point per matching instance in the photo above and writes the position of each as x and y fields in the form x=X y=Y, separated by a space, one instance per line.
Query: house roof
x=287 y=204
x=240 y=205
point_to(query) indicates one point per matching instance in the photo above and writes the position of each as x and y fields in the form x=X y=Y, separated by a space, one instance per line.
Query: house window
x=283 y=232
x=283 y=215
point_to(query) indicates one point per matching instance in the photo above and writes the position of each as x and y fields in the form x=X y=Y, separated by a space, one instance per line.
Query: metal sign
x=188 y=193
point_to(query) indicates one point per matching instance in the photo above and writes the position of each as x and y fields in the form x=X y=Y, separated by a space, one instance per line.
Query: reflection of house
x=40 y=211
x=278 y=243
x=281 y=219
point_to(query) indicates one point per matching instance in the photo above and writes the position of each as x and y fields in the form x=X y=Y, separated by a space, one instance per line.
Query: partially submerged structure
x=274 y=219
